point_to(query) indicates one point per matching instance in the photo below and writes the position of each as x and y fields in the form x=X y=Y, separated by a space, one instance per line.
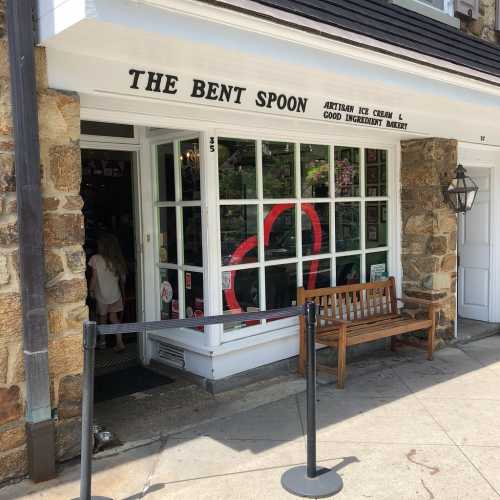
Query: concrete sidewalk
x=404 y=428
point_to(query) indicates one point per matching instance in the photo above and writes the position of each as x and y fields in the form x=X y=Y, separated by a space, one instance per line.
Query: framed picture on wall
x=372 y=232
x=372 y=175
x=371 y=155
x=372 y=214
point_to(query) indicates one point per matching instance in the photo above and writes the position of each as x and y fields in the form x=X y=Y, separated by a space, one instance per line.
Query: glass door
x=178 y=229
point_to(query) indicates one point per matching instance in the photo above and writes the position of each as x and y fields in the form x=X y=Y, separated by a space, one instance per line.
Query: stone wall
x=484 y=26
x=59 y=121
x=429 y=226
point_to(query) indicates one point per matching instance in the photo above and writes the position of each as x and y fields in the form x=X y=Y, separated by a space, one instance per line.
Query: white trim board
x=240 y=14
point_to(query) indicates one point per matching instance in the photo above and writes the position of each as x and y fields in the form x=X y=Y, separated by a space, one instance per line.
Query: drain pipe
x=39 y=423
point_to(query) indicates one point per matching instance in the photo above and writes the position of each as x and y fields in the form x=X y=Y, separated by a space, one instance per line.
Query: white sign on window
x=378 y=272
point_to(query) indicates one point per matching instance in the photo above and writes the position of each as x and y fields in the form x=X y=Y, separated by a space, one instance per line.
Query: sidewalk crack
x=147 y=484
x=447 y=434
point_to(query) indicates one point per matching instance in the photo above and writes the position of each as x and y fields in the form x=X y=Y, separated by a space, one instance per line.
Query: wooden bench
x=354 y=314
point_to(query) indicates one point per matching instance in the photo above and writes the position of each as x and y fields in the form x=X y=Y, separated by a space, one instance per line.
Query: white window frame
x=445 y=15
x=298 y=260
x=178 y=205
x=109 y=139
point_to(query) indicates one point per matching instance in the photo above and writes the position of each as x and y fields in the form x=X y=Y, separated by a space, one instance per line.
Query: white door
x=474 y=242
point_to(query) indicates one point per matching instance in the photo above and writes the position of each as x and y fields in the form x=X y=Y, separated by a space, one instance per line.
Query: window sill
x=427 y=10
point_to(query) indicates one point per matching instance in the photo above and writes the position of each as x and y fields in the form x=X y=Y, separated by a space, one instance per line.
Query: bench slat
x=367 y=335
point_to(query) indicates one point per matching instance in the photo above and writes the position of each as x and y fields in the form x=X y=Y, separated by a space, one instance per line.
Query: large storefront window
x=179 y=236
x=295 y=214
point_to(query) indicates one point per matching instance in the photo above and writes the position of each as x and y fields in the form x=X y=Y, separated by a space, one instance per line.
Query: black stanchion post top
x=310 y=312
x=89 y=334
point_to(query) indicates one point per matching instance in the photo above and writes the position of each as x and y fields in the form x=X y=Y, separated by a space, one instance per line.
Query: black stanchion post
x=310 y=312
x=89 y=344
x=310 y=481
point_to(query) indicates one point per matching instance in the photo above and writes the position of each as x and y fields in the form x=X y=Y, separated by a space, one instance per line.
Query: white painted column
x=212 y=285
x=149 y=279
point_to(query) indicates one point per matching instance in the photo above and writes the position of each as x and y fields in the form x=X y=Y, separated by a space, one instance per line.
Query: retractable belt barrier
x=306 y=481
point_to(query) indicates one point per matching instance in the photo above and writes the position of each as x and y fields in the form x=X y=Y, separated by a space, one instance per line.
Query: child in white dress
x=108 y=281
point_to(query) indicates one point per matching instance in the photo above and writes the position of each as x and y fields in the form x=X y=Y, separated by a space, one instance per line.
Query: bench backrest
x=352 y=302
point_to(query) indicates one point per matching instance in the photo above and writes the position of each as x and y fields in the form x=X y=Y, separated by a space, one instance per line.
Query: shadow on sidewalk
x=385 y=401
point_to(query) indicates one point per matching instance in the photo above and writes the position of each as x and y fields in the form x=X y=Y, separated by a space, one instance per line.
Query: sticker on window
x=166 y=292
x=226 y=280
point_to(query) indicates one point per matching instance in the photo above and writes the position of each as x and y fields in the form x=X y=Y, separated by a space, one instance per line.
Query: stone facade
x=429 y=226
x=59 y=122
x=483 y=27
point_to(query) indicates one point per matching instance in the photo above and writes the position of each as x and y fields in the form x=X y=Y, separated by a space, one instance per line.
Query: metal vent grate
x=172 y=354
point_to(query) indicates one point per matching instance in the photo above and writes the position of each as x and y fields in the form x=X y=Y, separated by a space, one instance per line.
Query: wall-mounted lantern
x=462 y=191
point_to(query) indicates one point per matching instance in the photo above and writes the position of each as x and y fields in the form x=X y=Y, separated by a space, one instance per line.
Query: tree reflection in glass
x=237 y=169
x=278 y=169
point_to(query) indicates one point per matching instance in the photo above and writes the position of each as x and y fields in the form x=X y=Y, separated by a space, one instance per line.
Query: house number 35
x=212 y=144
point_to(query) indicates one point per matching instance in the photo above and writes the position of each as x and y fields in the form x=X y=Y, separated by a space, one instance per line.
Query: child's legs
x=113 y=319
x=102 y=320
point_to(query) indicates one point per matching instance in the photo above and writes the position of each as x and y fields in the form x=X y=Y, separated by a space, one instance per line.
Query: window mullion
x=362 y=219
x=298 y=215
x=179 y=230
x=333 y=241
x=260 y=228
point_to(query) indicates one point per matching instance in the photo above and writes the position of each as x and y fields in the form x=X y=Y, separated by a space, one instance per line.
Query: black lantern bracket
x=461 y=192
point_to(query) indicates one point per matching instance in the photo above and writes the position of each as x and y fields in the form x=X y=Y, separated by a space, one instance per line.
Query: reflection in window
x=169 y=294
x=190 y=170
x=240 y=293
x=376 y=266
x=315 y=171
x=167 y=238
x=281 y=286
x=237 y=169
x=191 y=220
x=376 y=224
x=278 y=169
x=279 y=231
x=193 y=286
x=348 y=270
x=376 y=172
x=347 y=226
x=166 y=179
x=316 y=274
x=347 y=172
x=315 y=228
x=238 y=223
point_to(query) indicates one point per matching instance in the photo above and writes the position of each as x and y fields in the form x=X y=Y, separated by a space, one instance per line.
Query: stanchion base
x=326 y=483
x=93 y=497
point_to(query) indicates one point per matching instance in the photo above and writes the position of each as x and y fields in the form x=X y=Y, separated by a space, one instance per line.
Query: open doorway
x=107 y=192
x=111 y=196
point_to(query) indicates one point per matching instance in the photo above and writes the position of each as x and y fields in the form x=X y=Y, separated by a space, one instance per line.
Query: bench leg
x=342 y=351
x=431 y=334
x=302 y=362
x=394 y=341
x=431 y=337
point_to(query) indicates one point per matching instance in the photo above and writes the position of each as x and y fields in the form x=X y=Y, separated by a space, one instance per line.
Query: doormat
x=124 y=382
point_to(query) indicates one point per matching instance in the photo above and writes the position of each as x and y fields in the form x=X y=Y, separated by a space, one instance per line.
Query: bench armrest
x=337 y=322
x=422 y=302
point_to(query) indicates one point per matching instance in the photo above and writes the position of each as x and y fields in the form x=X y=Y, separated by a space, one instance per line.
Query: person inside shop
x=107 y=283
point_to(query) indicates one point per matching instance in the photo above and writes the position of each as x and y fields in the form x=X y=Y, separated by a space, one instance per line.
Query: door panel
x=474 y=251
